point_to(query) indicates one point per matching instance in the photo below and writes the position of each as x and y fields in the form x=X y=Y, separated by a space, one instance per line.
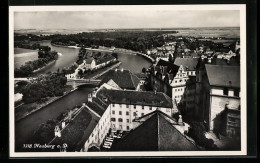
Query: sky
x=125 y=19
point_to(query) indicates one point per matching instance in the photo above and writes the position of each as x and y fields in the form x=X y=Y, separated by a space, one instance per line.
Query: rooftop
x=146 y=98
x=166 y=65
x=156 y=133
x=225 y=76
x=189 y=63
x=124 y=79
x=77 y=131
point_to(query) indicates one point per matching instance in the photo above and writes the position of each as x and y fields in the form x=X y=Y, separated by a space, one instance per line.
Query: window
x=225 y=91
x=180 y=80
x=176 y=90
x=120 y=105
x=113 y=119
x=120 y=120
x=142 y=114
x=127 y=127
x=150 y=108
x=120 y=112
x=113 y=112
x=236 y=92
x=135 y=106
x=127 y=113
x=113 y=105
x=143 y=107
x=134 y=114
x=120 y=127
x=175 y=81
x=127 y=106
x=127 y=120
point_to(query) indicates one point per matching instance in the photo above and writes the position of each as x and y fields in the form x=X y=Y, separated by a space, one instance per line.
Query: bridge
x=74 y=82
x=17 y=80
x=78 y=82
x=146 y=56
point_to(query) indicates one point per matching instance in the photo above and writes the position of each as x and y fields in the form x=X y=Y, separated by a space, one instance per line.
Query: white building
x=126 y=105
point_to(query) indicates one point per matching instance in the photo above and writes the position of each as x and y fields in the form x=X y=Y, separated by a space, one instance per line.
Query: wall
x=218 y=104
x=100 y=131
x=133 y=112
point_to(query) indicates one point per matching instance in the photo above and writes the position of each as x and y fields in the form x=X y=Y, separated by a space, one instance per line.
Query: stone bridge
x=78 y=82
x=74 y=82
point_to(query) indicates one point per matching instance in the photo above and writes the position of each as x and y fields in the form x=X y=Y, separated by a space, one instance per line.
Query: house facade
x=127 y=105
x=99 y=132
x=218 y=88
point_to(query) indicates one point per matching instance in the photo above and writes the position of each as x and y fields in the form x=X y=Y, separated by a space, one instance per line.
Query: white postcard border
x=240 y=7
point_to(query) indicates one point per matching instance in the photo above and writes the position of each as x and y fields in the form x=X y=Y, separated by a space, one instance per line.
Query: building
x=100 y=126
x=156 y=131
x=126 y=105
x=86 y=128
x=190 y=64
x=161 y=76
x=90 y=64
x=217 y=87
x=172 y=79
x=123 y=78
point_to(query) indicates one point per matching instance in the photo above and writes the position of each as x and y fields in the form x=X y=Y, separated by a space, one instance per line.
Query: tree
x=197 y=132
x=115 y=55
x=144 y=70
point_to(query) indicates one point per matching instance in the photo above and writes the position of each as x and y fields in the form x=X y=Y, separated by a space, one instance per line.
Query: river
x=25 y=128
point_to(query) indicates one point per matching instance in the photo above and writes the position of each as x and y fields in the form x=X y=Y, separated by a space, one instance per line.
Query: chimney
x=116 y=70
x=122 y=69
x=180 y=122
x=90 y=97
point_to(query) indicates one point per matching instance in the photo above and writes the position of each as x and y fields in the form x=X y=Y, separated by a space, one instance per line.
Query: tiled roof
x=73 y=135
x=190 y=63
x=218 y=61
x=130 y=97
x=226 y=76
x=124 y=79
x=155 y=134
x=171 y=68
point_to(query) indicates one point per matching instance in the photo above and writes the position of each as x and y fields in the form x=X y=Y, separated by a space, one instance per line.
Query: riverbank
x=25 y=110
x=51 y=62
x=64 y=46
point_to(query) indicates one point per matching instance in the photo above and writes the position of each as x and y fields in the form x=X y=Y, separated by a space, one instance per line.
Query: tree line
x=133 y=40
